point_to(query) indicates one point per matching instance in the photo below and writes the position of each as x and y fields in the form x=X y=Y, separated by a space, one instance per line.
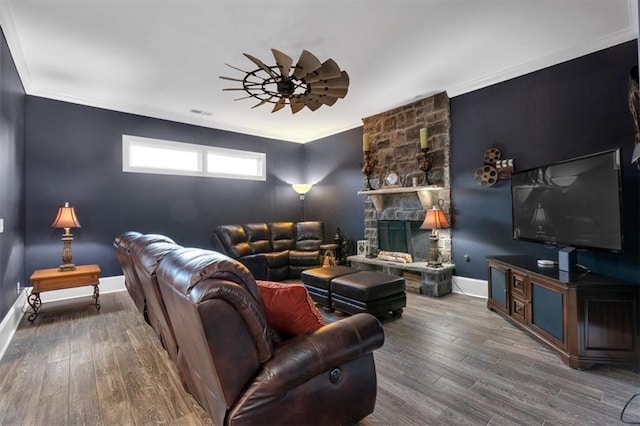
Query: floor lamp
x=302 y=189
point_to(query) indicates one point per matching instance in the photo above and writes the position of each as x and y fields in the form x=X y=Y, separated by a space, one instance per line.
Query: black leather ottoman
x=318 y=282
x=373 y=292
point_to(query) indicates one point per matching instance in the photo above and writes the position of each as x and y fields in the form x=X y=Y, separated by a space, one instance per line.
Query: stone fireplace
x=403 y=236
x=394 y=138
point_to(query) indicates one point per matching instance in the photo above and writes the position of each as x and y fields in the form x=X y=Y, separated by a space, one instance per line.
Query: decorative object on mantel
x=302 y=189
x=434 y=220
x=494 y=168
x=392 y=180
x=368 y=164
x=395 y=256
x=424 y=158
x=309 y=83
x=66 y=218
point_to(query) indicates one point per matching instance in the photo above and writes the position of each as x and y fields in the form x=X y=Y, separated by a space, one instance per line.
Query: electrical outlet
x=1 y=226
x=18 y=287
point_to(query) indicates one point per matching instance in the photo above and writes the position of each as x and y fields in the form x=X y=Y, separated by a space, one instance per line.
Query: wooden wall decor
x=494 y=168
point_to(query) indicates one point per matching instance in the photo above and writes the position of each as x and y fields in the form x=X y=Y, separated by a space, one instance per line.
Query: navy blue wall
x=332 y=165
x=12 y=123
x=74 y=154
x=565 y=111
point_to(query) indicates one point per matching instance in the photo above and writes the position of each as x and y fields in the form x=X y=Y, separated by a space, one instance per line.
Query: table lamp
x=434 y=220
x=66 y=219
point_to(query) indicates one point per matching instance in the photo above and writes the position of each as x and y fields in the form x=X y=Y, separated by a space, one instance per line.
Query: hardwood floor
x=445 y=361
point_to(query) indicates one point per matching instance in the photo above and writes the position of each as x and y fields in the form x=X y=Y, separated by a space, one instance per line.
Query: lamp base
x=67 y=257
x=434 y=255
x=67 y=267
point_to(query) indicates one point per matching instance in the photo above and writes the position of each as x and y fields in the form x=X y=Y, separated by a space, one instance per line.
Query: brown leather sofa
x=240 y=370
x=124 y=245
x=139 y=256
x=272 y=251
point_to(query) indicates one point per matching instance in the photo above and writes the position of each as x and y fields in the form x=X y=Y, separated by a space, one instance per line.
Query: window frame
x=201 y=150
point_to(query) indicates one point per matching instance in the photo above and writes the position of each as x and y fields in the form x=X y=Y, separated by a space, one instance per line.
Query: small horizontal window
x=145 y=155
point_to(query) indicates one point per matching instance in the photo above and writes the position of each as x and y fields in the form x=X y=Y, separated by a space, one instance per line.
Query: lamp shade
x=540 y=217
x=66 y=218
x=301 y=188
x=434 y=219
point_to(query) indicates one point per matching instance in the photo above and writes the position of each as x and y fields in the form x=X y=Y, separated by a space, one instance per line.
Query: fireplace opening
x=403 y=236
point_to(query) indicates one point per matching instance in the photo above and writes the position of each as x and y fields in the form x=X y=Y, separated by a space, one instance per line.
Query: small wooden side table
x=53 y=279
x=329 y=254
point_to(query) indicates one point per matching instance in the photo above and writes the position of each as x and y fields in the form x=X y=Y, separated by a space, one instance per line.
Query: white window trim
x=201 y=150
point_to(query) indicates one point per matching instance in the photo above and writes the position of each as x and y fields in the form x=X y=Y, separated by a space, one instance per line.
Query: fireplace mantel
x=423 y=193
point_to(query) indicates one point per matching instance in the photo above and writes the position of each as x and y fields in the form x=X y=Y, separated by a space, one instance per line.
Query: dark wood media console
x=587 y=318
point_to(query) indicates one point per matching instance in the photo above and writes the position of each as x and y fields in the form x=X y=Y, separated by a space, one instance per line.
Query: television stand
x=587 y=318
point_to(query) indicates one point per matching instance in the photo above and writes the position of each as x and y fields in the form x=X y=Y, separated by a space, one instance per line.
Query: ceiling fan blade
x=342 y=82
x=237 y=69
x=311 y=102
x=306 y=64
x=328 y=100
x=283 y=61
x=261 y=65
x=262 y=102
x=336 y=93
x=231 y=78
x=279 y=105
x=323 y=99
x=328 y=70
x=296 y=105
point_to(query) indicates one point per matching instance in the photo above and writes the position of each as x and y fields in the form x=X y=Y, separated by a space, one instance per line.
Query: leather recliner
x=146 y=258
x=123 y=245
x=239 y=373
x=272 y=251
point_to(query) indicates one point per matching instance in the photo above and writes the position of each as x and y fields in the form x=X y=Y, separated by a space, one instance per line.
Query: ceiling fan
x=309 y=83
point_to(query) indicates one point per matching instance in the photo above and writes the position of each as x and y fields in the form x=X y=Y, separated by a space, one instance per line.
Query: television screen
x=574 y=203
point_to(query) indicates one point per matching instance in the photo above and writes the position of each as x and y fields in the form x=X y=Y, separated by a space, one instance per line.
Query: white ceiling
x=163 y=58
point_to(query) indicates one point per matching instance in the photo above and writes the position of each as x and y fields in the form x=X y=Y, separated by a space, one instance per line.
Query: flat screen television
x=576 y=203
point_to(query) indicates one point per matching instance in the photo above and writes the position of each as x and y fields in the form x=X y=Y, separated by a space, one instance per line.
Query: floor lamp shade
x=66 y=219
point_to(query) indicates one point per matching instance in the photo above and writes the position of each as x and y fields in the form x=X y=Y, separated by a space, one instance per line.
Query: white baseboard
x=470 y=286
x=10 y=322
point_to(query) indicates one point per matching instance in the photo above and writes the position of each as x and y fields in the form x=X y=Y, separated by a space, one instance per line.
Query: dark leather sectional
x=209 y=315
x=272 y=251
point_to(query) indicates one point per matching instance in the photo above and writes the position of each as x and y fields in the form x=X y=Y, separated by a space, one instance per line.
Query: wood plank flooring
x=445 y=361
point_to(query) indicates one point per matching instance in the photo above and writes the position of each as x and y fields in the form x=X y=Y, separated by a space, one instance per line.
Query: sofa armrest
x=306 y=356
x=256 y=264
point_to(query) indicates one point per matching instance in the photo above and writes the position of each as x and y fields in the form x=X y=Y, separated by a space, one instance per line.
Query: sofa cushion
x=289 y=308
x=282 y=235
x=304 y=258
x=309 y=235
x=258 y=237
